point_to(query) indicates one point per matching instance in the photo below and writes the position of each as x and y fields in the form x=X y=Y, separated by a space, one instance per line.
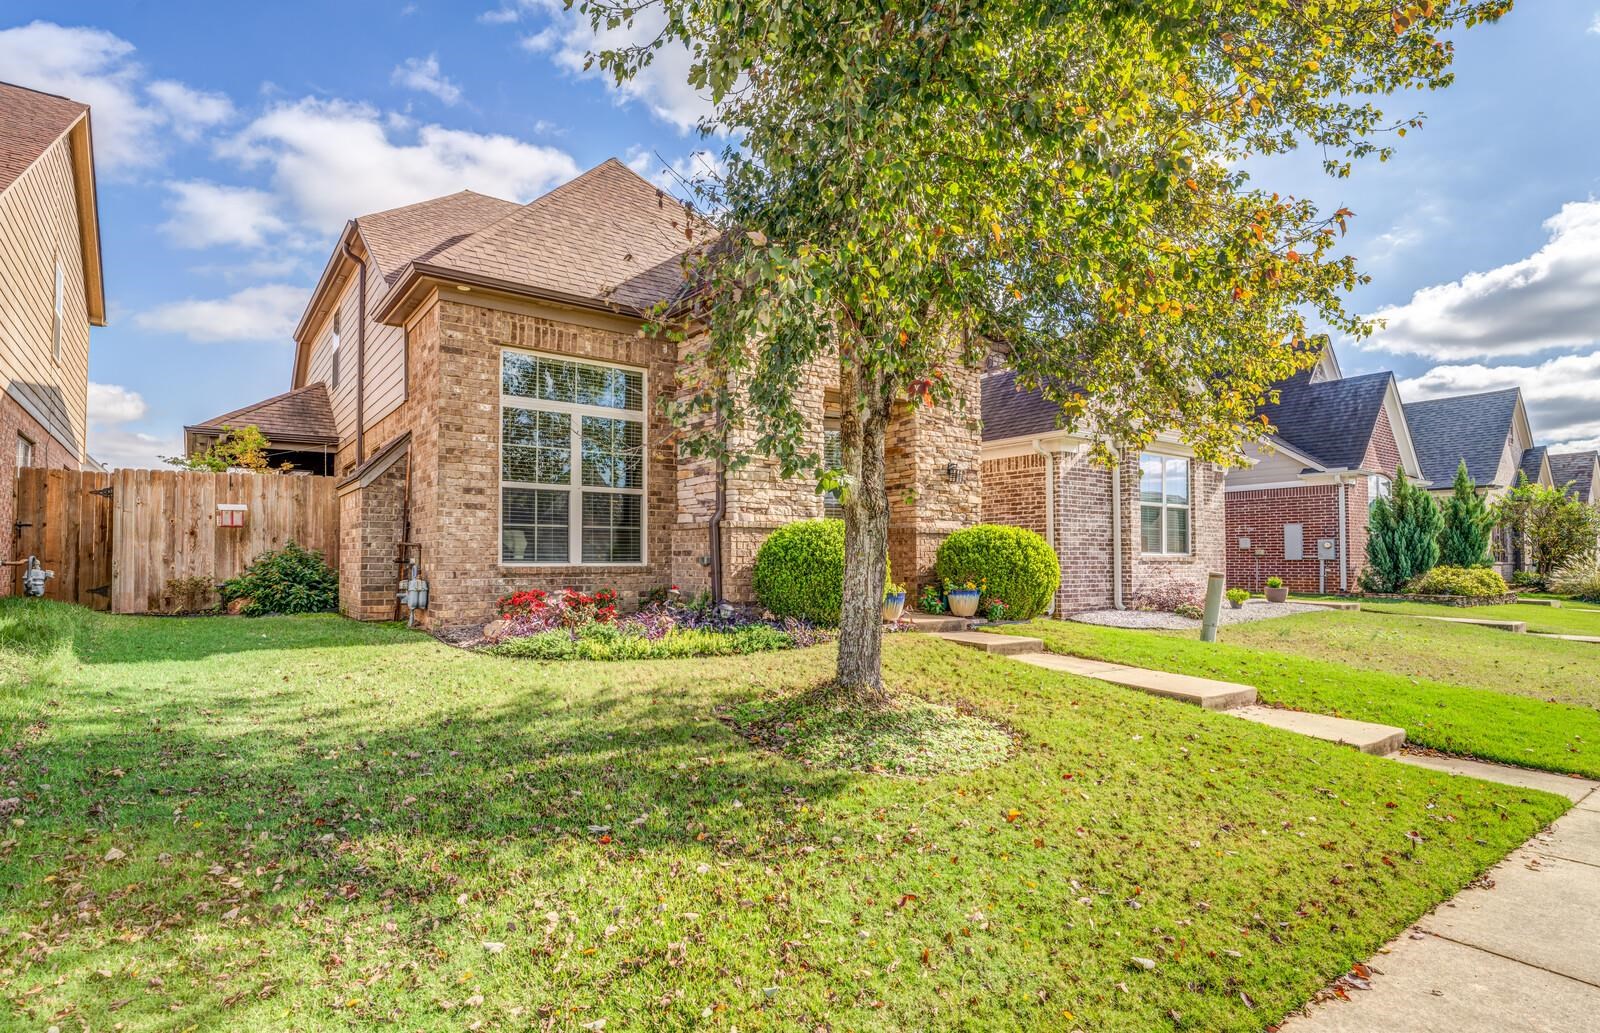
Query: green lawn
x=1568 y=619
x=308 y=824
x=1539 y=668
x=1480 y=722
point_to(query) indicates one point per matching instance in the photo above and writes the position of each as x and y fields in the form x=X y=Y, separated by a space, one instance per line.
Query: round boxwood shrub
x=290 y=580
x=1476 y=582
x=800 y=571
x=1017 y=565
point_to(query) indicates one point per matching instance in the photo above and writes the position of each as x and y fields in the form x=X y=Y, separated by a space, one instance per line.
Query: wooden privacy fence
x=115 y=540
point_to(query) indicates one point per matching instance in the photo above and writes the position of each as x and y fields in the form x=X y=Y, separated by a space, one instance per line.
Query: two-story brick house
x=51 y=291
x=494 y=402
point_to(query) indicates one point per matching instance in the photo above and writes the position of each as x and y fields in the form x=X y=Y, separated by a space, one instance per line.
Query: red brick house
x=51 y=288
x=1155 y=519
x=1298 y=509
x=494 y=408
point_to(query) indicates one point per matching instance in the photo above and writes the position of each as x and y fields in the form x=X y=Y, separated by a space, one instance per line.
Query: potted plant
x=1236 y=597
x=964 y=597
x=1276 y=593
x=931 y=600
x=894 y=601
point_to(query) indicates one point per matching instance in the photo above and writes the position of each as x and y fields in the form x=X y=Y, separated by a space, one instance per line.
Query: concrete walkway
x=1517 y=952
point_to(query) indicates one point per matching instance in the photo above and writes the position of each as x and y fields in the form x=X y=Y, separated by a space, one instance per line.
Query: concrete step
x=1553 y=603
x=1566 y=638
x=1327 y=604
x=1207 y=693
x=1515 y=627
x=933 y=624
x=999 y=645
x=1378 y=740
x=1574 y=789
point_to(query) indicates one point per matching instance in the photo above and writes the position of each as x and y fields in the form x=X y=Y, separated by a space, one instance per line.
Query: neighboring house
x=298 y=425
x=1491 y=433
x=1578 y=472
x=50 y=287
x=496 y=410
x=1299 y=509
x=1152 y=521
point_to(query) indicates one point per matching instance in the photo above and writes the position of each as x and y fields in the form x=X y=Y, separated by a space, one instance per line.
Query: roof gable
x=606 y=238
x=1474 y=428
x=1011 y=411
x=304 y=414
x=1535 y=465
x=1579 y=469
x=30 y=122
x=418 y=232
x=1330 y=420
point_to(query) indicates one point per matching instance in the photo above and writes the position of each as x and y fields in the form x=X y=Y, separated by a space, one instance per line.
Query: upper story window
x=60 y=310
x=1163 y=505
x=1378 y=488
x=24 y=452
x=334 y=378
x=572 y=461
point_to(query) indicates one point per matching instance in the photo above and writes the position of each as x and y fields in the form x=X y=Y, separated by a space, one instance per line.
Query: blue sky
x=233 y=141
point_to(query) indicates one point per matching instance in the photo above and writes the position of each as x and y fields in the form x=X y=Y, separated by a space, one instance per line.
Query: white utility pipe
x=1344 y=539
x=1049 y=510
x=1116 y=531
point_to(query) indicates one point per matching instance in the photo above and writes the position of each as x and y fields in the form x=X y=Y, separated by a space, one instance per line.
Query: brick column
x=927 y=503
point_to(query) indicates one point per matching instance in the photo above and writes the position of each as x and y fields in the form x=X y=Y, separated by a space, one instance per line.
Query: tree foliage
x=907 y=186
x=1468 y=524
x=1402 y=537
x=239 y=448
x=1555 y=528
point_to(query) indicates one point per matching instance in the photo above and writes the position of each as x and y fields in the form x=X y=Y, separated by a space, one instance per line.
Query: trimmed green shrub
x=290 y=580
x=1528 y=580
x=1237 y=595
x=800 y=571
x=608 y=642
x=1402 y=537
x=1018 y=565
x=1469 y=581
x=1464 y=538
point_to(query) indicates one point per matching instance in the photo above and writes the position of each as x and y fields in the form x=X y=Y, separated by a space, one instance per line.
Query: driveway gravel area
x=1254 y=610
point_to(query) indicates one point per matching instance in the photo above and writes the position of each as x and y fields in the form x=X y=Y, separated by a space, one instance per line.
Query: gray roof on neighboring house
x=1013 y=412
x=1533 y=462
x=1577 y=469
x=1471 y=427
x=1331 y=420
x=304 y=414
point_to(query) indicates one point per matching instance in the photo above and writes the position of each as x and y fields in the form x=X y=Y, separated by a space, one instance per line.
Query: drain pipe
x=361 y=354
x=1116 y=532
x=717 y=515
x=1344 y=538
x=1049 y=511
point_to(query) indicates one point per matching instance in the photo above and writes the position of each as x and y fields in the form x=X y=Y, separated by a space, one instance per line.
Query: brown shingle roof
x=418 y=232
x=607 y=237
x=304 y=414
x=30 y=122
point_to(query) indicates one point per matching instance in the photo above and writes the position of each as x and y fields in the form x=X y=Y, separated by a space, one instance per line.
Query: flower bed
x=579 y=626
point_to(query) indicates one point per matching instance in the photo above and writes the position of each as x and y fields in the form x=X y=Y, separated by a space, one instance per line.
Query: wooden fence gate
x=116 y=540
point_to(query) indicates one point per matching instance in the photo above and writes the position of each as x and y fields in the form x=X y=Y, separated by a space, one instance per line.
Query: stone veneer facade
x=452 y=412
x=1014 y=494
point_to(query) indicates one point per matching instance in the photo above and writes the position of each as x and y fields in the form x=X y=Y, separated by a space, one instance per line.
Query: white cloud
x=332 y=160
x=124 y=449
x=113 y=403
x=500 y=16
x=1563 y=394
x=97 y=68
x=423 y=75
x=1546 y=301
x=190 y=112
x=680 y=177
x=206 y=214
x=662 y=87
x=266 y=313
x=1594 y=26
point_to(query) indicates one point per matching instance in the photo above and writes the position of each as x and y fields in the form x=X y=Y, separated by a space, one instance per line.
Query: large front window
x=1163 y=504
x=571 y=461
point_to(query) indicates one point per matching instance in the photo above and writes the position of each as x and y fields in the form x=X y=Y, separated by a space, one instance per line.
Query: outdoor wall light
x=952 y=473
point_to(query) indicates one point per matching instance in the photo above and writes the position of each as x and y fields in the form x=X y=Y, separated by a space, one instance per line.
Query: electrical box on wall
x=1327 y=549
x=1294 y=541
x=230 y=514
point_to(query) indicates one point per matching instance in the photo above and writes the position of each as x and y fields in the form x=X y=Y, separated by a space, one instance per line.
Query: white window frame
x=60 y=310
x=334 y=376
x=575 y=487
x=1166 y=506
x=25 y=452
x=1378 y=487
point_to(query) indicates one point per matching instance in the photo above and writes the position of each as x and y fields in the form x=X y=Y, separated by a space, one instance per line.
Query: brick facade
x=1085 y=540
x=16 y=421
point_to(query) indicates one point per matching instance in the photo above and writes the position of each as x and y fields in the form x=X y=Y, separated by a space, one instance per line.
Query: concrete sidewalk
x=1517 y=953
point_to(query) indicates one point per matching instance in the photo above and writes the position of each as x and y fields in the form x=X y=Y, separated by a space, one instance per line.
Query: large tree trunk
x=863 y=423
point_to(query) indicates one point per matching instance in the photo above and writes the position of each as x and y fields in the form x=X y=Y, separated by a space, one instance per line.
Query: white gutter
x=1049 y=510
x=1344 y=539
x=1116 y=531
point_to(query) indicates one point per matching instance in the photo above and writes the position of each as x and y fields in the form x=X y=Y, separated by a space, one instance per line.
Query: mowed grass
x=1570 y=618
x=309 y=824
x=1477 y=721
x=1483 y=658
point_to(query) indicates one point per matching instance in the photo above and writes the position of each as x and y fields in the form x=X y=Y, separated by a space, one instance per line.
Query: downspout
x=361 y=354
x=1116 y=532
x=1344 y=538
x=717 y=516
x=1049 y=511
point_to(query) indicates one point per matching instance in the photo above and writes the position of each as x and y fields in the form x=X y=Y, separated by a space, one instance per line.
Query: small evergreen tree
x=1402 y=537
x=1464 y=539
